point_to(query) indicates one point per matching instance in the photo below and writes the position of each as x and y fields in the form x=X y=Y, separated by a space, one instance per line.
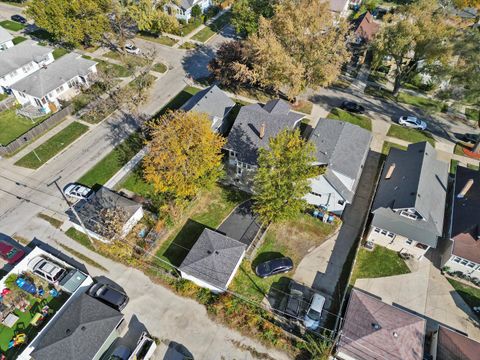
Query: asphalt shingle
x=22 y=54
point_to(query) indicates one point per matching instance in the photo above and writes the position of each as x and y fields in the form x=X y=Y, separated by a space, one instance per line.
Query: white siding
x=23 y=71
x=329 y=198
x=5 y=45
x=395 y=242
x=456 y=263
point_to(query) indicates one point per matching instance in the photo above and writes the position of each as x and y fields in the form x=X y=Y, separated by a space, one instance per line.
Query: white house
x=60 y=80
x=343 y=148
x=182 y=10
x=6 y=39
x=22 y=60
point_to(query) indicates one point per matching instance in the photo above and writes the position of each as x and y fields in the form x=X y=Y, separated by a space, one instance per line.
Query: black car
x=469 y=138
x=274 y=266
x=352 y=107
x=109 y=295
x=19 y=18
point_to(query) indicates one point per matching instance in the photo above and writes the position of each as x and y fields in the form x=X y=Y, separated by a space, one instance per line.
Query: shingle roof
x=454 y=346
x=365 y=26
x=374 y=330
x=5 y=35
x=213 y=258
x=338 y=5
x=187 y=4
x=80 y=331
x=44 y=80
x=244 y=138
x=465 y=225
x=22 y=54
x=419 y=181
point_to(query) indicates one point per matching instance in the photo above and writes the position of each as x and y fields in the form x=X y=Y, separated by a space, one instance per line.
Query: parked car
x=412 y=122
x=77 y=191
x=46 y=269
x=121 y=352
x=353 y=107
x=19 y=18
x=274 y=266
x=10 y=253
x=109 y=295
x=314 y=313
x=295 y=298
x=132 y=49
x=468 y=138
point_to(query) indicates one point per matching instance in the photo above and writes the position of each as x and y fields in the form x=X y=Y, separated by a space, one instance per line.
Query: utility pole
x=71 y=208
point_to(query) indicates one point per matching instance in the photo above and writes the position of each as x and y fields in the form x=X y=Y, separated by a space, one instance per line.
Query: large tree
x=246 y=14
x=184 y=154
x=72 y=22
x=281 y=180
x=150 y=16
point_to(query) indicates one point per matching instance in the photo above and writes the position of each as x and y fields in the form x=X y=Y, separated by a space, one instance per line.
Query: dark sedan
x=19 y=18
x=352 y=107
x=274 y=267
x=109 y=295
x=10 y=253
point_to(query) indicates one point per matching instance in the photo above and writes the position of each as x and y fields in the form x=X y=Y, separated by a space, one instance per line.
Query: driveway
x=241 y=224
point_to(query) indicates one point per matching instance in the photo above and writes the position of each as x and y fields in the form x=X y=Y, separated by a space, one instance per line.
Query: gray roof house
x=182 y=9
x=343 y=148
x=213 y=102
x=84 y=331
x=213 y=261
x=5 y=39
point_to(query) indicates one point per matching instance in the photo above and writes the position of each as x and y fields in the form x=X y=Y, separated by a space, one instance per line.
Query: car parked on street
x=353 y=107
x=46 y=269
x=274 y=267
x=468 y=138
x=10 y=253
x=109 y=295
x=314 y=312
x=412 y=122
x=77 y=191
x=132 y=49
x=19 y=18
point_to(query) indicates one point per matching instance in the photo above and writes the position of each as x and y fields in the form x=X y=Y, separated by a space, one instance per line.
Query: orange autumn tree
x=184 y=154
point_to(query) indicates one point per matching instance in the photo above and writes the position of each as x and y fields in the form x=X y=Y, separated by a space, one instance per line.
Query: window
x=316 y=194
x=464 y=262
x=391 y=235
x=471 y=265
x=377 y=230
x=60 y=89
x=232 y=154
x=409 y=215
x=409 y=242
x=341 y=202
x=457 y=259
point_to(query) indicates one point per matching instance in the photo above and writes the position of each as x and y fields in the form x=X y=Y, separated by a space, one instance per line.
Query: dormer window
x=409 y=214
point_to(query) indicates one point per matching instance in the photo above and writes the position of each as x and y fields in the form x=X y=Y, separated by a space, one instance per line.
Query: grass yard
x=424 y=103
x=453 y=166
x=79 y=237
x=18 y=39
x=187 y=46
x=380 y=262
x=160 y=68
x=303 y=106
x=379 y=92
x=163 y=40
x=13 y=125
x=181 y=98
x=208 y=31
x=3 y=96
x=360 y=120
x=410 y=135
x=112 y=69
x=470 y=294
x=472 y=114
x=134 y=182
x=459 y=146
x=472 y=166
x=59 y=52
x=190 y=26
x=12 y=25
x=53 y=146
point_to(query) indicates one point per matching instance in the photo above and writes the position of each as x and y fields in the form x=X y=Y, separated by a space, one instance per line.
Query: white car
x=46 y=269
x=412 y=122
x=132 y=49
x=77 y=191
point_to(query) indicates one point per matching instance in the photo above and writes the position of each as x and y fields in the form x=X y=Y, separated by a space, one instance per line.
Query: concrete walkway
x=120 y=174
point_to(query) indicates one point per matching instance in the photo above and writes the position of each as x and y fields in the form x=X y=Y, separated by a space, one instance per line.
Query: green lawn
x=380 y=262
x=79 y=237
x=18 y=39
x=13 y=125
x=472 y=166
x=59 y=52
x=3 y=96
x=453 y=166
x=410 y=135
x=388 y=145
x=360 y=120
x=181 y=98
x=134 y=182
x=424 y=103
x=12 y=25
x=469 y=294
x=190 y=26
x=115 y=70
x=379 y=92
x=303 y=106
x=159 y=67
x=163 y=40
x=135 y=60
x=472 y=114
x=188 y=46
x=459 y=146
x=53 y=146
x=208 y=31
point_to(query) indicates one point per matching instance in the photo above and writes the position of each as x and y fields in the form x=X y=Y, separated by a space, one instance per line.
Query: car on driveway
x=274 y=267
x=412 y=122
x=468 y=138
x=109 y=295
x=314 y=312
x=132 y=49
x=294 y=300
x=77 y=191
x=19 y=18
x=46 y=269
x=353 y=107
x=10 y=253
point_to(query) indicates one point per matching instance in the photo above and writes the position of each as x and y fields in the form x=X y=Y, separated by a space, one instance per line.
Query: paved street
x=6 y=10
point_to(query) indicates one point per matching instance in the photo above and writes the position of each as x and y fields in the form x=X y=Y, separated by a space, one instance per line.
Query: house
x=374 y=330
x=92 y=212
x=215 y=103
x=83 y=332
x=213 y=261
x=463 y=251
x=182 y=9
x=6 y=39
x=20 y=61
x=343 y=148
x=339 y=7
x=364 y=28
x=254 y=126
x=60 y=80
x=450 y=345
x=408 y=208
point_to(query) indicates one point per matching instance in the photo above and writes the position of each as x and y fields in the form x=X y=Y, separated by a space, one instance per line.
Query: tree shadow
x=196 y=61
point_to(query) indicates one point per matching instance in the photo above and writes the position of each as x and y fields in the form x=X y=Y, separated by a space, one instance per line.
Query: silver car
x=412 y=122
x=77 y=191
x=46 y=269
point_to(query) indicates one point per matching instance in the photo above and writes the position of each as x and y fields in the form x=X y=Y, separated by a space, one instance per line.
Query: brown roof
x=365 y=26
x=454 y=346
x=375 y=330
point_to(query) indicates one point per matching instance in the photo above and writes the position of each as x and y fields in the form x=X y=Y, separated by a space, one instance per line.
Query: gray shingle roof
x=244 y=138
x=44 y=80
x=419 y=181
x=4 y=35
x=213 y=258
x=22 y=54
x=79 y=332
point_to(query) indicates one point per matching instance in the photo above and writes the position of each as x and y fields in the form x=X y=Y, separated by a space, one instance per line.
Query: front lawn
x=190 y=26
x=380 y=262
x=114 y=70
x=181 y=98
x=303 y=106
x=470 y=294
x=458 y=150
x=12 y=25
x=188 y=46
x=163 y=40
x=360 y=120
x=53 y=146
x=13 y=125
x=387 y=145
x=410 y=135
x=216 y=26
x=160 y=68
x=422 y=102
x=59 y=52
x=18 y=39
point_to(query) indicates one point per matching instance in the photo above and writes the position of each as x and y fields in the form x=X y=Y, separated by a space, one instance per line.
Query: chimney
x=465 y=189
x=390 y=171
x=262 y=131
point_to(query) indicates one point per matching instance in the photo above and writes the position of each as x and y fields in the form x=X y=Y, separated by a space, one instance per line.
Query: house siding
x=5 y=45
x=467 y=267
x=186 y=15
x=329 y=196
x=396 y=243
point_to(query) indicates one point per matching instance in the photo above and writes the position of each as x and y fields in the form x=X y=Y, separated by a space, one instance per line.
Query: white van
x=312 y=317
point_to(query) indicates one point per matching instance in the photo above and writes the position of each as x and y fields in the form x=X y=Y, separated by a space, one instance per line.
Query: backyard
x=410 y=135
x=13 y=125
x=360 y=120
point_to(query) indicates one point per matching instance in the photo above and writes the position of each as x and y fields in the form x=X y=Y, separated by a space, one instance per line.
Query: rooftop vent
x=389 y=174
x=68 y=331
x=216 y=252
x=262 y=131
x=209 y=251
x=376 y=326
x=465 y=189
x=395 y=334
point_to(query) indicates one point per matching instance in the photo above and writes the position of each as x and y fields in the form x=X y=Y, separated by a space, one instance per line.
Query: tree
x=299 y=47
x=196 y=11
x=316 y=347
x=281 y=180
x=149 y=16
x=72 y=22
x=246 y=14
x=462 y=4
x=184 y=154
x=416 y=33
x=113 y=221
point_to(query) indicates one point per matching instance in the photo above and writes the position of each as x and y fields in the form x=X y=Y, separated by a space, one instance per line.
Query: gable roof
x=44 y=80
x=5 y=36
x=213 y=258
x=374 y=330
x=80 y=331
x=419 y=181
x=454 y=346
x=244 y=137
x=187 y=4
x=22 y=54
x=465 y=224
x=343 y=147
x=365 y=26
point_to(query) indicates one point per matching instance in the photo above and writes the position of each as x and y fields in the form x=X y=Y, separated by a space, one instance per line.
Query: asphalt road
x=6 y=11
